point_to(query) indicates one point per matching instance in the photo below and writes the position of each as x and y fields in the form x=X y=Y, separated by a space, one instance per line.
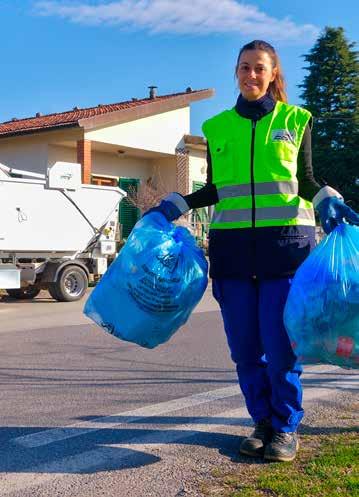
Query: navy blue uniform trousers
x=268 y=373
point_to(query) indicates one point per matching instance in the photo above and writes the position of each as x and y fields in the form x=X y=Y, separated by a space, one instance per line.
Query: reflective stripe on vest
x=270 y=188
x=263 y=213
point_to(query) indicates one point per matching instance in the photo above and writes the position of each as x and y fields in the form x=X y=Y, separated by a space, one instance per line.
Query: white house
x=127 y=142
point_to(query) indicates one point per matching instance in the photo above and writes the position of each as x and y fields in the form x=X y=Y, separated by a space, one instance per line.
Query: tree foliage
x=331 y=93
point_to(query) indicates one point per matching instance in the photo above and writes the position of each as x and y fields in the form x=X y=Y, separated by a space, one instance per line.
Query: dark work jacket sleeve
x=206 y=195
x=307 y=184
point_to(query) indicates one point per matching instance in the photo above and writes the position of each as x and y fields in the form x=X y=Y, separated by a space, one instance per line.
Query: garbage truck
x=55 y=232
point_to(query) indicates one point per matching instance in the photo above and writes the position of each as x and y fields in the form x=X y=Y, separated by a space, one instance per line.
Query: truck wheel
x=71 y=284
x=28 y=293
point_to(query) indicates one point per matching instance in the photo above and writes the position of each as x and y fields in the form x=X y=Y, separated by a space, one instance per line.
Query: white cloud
x=182 y=17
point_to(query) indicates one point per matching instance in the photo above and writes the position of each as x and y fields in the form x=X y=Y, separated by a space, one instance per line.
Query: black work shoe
x=283 y=447
x=255 y=443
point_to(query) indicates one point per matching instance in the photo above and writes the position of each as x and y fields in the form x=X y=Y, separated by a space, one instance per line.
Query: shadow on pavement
x=122 y=448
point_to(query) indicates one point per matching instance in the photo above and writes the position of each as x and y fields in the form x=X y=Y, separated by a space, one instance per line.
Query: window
x=97 y=179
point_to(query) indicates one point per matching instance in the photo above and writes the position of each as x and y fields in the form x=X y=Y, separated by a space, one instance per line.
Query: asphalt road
x=84 y=414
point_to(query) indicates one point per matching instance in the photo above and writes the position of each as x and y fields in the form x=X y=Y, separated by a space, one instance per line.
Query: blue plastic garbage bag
x=322 y=310
x=151 y=288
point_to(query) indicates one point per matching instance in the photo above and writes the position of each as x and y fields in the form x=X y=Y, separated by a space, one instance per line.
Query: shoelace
x=261 y=429
x=282 y=438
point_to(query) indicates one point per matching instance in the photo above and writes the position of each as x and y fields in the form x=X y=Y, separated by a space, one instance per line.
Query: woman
x=261 y=181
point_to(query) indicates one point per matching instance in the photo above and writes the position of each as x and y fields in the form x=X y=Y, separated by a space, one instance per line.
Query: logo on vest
x=283 y=135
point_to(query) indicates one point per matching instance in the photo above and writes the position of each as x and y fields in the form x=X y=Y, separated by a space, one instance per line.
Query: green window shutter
x=200 y=217
x=199 y=214
x=129 y=214
x=197 y=185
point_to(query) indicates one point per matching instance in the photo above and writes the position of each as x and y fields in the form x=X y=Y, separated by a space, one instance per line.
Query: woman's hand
x=172 y=207
x=333 y=211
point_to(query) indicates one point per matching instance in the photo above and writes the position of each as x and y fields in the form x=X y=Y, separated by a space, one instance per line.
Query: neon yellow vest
x=254 y=167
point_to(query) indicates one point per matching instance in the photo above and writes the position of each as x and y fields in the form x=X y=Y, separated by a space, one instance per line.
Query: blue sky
x=59 y=54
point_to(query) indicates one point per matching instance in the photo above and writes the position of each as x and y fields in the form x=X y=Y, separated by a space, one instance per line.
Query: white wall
x=113 y=165
x=163 y=172
x=197 y=167
x=110 y=164
x=159 y=133
x=24 y=154
x=33 y=152
x=60 y=153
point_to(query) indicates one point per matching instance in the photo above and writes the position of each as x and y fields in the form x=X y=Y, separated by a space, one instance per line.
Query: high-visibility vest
x=254 y=167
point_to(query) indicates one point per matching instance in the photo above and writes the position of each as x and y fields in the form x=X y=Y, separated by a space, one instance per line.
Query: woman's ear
x=274 y=74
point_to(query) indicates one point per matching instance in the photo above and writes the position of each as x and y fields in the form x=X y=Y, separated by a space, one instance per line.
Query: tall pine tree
x=331 y=93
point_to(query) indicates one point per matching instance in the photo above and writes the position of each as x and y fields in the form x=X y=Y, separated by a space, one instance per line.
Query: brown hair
x=277 y=87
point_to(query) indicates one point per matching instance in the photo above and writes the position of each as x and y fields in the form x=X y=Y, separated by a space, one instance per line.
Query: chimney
x=14 y=119
x=153 y=92
x=38 y=114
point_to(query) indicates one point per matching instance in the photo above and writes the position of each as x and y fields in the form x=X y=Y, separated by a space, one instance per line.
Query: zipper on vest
x=252 y=173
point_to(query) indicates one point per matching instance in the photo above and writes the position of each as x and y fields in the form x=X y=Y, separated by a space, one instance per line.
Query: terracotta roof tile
x=71 y=118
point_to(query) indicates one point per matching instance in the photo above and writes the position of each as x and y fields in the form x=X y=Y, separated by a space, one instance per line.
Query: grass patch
x=326 y=466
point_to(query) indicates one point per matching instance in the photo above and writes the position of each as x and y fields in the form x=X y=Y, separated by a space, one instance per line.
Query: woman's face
x=254 y=73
